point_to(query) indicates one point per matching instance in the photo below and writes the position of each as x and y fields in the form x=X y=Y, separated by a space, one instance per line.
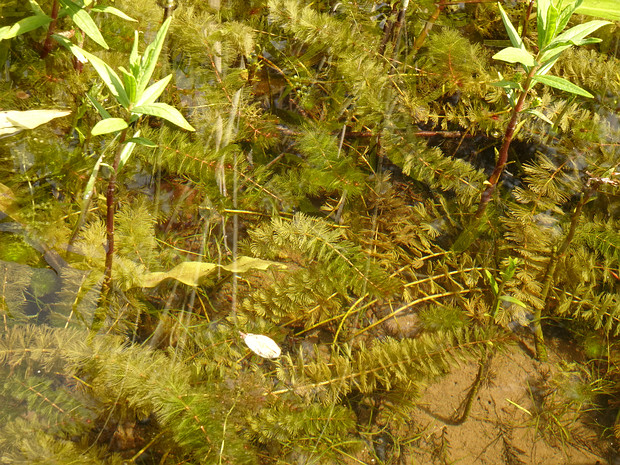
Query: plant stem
x=49 y=43
x=483 y=368
x=539 y=340
x=419 y=41
x=502 y=159
x=526 y=20
x=110 y=203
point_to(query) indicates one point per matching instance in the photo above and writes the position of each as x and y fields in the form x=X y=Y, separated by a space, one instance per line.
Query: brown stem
x=398 y=27
x=539 y=340
x=110 y=203
x=527 y=19
x=387 y=33
x=49 y=43
x=417 y=45
x=502 y=159
x=483 y=368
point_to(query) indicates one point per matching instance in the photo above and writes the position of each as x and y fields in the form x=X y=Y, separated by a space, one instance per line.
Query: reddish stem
x=503 y=152
x=49 y=43
x=110 y=203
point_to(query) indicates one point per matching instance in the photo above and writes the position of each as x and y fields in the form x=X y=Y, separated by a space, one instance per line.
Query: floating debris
x=261 y=345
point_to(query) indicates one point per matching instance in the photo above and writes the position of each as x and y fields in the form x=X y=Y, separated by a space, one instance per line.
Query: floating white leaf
x=261 y=345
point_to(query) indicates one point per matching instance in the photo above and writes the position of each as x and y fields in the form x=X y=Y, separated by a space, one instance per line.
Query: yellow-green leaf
x=109 y=125
x=191 y=273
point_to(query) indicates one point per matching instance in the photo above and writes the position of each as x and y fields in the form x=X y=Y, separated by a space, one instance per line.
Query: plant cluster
x=314 y=172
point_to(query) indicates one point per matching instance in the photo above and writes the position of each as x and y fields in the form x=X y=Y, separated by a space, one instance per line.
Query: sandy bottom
x=526 y=412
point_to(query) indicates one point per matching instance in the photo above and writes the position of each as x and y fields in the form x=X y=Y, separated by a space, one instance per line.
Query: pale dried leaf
x=261 y=345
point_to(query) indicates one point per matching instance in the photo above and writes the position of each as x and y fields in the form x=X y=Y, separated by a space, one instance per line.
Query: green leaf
x=553 y=53
x=542 y=7
x=575 y=34
x=509 y=272
x=143 y=141
x=24 y=25
x=191 y=273
x=130 y=84
x=515 y=55
x=507 y=84
x=551 y=23
x=77 y=51
x=512 y=300
x=538 y=114
x=153 y=92
x=608 y=9
x=544 y=69
x=109 y=76
x=164 y=111
x=90 y=185
x=134 y=58
x=102 y=111
x=36 y=9
x=83 y=20
x=492 y=282
x=150 y=57
x=14 y=121
x=127 y=151
x=563 y=84
x=515 y=38
x=565 y=15
x=113 y=11
x=109 y=125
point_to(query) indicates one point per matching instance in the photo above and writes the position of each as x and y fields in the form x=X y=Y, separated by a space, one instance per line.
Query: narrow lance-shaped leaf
x=165 y=111
x=563 y=84
x=109 y=125
x=77 y=51
x=577 y=33
x=153 y=92
x=566 y=14
x=538 y=114
x=513 y=300
x=515 y=38
x=552 y=53
x=544 y=69
x=127 y=151
x=90 y=185
x=608 y=9
x=151 y=55
x=134 y=58
x=541 y=20
x=36 y=9
x=143 y=141
x=102 y=111
x=23 y=25
x=109 y=76
x=551 y=23
x=113 y=11
x=130 y=84
x=83 y=20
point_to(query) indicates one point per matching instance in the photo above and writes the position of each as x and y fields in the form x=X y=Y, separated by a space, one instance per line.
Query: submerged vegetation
x=383 y=190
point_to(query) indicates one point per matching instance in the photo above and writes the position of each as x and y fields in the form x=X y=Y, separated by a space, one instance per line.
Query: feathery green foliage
x=325 y=200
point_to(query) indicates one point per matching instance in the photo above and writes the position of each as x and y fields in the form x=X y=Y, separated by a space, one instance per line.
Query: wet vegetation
x=255 y=231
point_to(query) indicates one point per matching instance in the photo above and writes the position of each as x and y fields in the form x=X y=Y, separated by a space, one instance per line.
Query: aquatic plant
x=281 y=284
